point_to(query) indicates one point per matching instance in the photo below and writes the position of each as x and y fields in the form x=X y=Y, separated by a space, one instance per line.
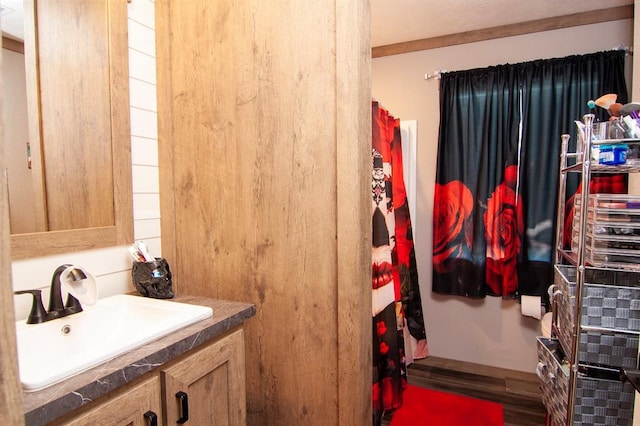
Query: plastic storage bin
x=613 y=230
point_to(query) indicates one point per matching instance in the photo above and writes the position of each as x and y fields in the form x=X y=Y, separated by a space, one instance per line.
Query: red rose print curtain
x=396 y=304
x=497 y=173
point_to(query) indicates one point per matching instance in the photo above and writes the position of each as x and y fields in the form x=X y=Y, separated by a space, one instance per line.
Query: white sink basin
x=54 y=350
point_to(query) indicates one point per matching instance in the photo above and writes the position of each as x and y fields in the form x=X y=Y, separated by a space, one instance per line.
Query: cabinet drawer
x=129 y=407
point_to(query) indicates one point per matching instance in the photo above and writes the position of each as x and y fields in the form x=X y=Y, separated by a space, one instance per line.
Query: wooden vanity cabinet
x=134 y=407
x=213 y=379
x=205 y=386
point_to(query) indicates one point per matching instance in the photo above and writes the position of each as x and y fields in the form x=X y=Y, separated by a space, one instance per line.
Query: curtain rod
x=627 y=49
x=436 y=74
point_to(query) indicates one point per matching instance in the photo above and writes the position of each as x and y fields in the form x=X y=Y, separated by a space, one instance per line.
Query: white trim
x=409 y=133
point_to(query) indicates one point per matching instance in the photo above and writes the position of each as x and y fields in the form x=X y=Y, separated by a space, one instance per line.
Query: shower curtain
x=396 y=303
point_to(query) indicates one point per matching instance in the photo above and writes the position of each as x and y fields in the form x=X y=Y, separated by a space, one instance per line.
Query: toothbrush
x=135 y=253
x=145 y=252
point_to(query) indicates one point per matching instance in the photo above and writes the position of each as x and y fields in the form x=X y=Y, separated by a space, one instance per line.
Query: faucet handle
x=38 y=314
x=72 y=305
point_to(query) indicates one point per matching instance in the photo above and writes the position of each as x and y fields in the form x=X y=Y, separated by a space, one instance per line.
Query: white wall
x=112 y=266
x=16 y=129
x=490 y=331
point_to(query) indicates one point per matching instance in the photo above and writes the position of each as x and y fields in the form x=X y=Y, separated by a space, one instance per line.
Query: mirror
x=70 y=181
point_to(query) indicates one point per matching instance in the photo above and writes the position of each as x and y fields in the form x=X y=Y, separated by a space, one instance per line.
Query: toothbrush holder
x=152 y=279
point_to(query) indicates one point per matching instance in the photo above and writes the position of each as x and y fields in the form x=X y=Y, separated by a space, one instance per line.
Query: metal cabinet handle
x=151 y=417
x=184 y=403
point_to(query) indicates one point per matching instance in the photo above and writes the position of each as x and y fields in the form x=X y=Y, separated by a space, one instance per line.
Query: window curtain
x=498 y=167
x=398 y=324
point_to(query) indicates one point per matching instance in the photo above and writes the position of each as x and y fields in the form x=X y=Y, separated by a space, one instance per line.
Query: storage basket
x=608 y=348
x=554 y=380
x=603 y=402
x=605 y=306
x=597 y=401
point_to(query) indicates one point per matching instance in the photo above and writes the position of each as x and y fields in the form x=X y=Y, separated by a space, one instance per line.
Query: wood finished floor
x=518 y=392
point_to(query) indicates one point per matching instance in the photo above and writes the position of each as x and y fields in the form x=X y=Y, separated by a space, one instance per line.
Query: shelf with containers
x=595 y=296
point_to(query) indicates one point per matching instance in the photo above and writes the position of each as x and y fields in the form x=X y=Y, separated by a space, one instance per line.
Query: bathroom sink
x=54 y=350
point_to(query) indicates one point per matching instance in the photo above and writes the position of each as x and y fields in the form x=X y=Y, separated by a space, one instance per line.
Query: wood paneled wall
x=264 y=134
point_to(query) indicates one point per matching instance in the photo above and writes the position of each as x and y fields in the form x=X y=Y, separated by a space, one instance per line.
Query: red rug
x=428 y=407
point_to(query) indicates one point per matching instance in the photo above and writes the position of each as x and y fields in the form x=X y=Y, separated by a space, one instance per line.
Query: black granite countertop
x=46 y=405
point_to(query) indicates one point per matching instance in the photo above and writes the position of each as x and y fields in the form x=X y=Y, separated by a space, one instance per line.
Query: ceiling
x=11 y=17
x=396 y=21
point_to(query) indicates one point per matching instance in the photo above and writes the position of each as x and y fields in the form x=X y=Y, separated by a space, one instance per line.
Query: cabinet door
x=209 y=385
x=132 y=407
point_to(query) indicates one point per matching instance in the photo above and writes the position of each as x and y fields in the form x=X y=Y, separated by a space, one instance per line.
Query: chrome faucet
x=57 y=309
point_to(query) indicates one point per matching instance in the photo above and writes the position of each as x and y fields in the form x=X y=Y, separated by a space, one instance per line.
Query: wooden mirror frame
x=121 y=232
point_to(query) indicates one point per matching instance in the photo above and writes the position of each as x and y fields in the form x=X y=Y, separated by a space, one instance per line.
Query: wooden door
x=132 y=407
x=208 y=387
